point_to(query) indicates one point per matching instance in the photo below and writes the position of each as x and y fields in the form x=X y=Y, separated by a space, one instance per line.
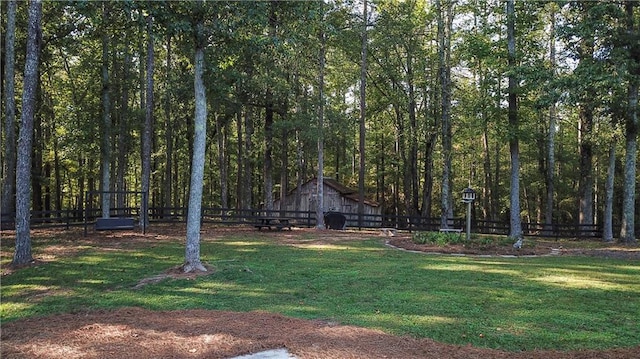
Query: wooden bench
x=273 y=223
x=113 y=223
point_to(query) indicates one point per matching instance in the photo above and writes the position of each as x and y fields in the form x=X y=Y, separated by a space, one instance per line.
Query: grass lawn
x=515 y=304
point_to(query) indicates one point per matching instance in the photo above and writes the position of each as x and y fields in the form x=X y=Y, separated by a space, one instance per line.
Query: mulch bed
x=141 y=333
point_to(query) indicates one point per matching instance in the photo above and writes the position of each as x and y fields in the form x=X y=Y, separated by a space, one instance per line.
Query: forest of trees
x=534 y=104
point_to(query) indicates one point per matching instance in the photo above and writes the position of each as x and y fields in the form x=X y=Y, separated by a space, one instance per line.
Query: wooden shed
x=337 y=198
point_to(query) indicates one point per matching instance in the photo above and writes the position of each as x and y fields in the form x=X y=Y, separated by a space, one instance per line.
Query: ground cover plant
x=329 y=280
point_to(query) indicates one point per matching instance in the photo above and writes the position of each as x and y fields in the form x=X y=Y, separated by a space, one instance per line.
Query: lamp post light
x=468 y=196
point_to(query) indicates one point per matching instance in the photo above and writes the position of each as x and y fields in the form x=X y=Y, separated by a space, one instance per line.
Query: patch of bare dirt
x=141 y=333
x=535 y=247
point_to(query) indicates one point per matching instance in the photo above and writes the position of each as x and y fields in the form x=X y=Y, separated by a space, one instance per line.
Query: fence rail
x=228 y=216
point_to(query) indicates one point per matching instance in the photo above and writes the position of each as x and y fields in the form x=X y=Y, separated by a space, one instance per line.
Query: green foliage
x=254 y=46
x=560 y=303
x=438 y=238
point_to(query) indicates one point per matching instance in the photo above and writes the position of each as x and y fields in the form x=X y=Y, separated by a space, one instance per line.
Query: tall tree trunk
x=9 y=180
x=362 y=129
x=445 y=17
x=57 y=173
x=240 y=163
x=248 y=162
x=222 y=162
x=627 y=233
x=22 y=254
x=585 y=129
x=147 y=129
x=320 y=176
x=105 y=160
x=123 y=135
x=168 y=130
x=192 y=248
x=427 y=191
x=36 y=153
x=551 y=158
x=300 y=171
x=607 y=218
x=413 y=139
x=268 y=153
x=515 y=231
x=268 y=124
x=487 y=188
x=284 y=176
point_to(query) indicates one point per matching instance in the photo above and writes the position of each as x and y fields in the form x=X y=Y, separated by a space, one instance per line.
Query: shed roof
x=345 y=191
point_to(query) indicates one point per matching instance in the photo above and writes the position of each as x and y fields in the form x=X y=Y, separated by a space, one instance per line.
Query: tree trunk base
x=194 y=267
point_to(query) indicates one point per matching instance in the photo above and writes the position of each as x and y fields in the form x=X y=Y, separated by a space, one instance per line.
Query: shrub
x=440 y=239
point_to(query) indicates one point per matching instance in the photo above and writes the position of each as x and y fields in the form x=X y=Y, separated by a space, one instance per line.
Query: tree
x=320 y=177
x=515 y=230
x=445 y=23
x=148 y=123
x=363 y=118
x=551 y=145
x=22 y=254
x=627 y=233
x=9 y=180
x=192 y=248
x=105 y=183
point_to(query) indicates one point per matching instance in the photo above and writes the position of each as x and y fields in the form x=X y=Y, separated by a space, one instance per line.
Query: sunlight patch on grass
x=244 y=243
x=26 y=289
x=320 y=246
x=475 y=268
x=6 y=306
x=572 y=281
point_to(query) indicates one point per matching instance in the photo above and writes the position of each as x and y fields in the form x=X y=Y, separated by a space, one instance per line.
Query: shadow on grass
x=513 y=304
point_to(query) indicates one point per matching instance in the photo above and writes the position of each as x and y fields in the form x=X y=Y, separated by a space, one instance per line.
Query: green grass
x=563 y=303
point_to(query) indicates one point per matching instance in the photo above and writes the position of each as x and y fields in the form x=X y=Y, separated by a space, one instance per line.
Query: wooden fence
x=231 y=217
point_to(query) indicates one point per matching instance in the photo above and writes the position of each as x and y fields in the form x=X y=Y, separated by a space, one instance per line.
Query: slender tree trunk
x=362 y=130
x=487 y=188
x=9 y=180
x=248 y=163
x=36 y=160
x=22 y=254
x=57 y=173
x=240 y=162
x=268 y=124
x=413 y=139
x=123 y=135
x=551 y=158
x=222 y=162
x=585 y=130
x=268 y=153
x=320 y=182
x=284 y=176
x=105 y=161
x=168 y=130
x=192 y=248
x=627 y=233
x=427 y=191
x=607 y=224
x=147 y=129
x=299 y=172
x=514 y=146
x=445 y=17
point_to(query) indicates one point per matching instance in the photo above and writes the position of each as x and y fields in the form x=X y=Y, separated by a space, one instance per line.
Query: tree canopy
x=441 y=82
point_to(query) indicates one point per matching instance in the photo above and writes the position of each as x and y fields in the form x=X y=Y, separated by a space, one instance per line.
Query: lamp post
x=468 y=196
